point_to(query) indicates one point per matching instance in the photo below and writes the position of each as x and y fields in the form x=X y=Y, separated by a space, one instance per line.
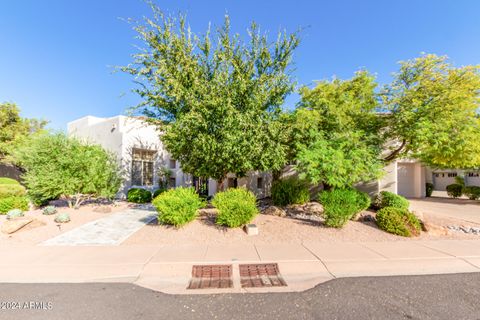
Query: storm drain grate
x=260 y=275
x=211 y=277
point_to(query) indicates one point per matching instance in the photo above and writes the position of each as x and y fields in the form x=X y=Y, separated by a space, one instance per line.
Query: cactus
x=49 y=210
x=15 y=213
x=62 y=218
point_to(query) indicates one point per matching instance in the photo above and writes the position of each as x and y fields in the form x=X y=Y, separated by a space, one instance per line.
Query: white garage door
x=472 y=179
x=406 y=180
x=442 y=179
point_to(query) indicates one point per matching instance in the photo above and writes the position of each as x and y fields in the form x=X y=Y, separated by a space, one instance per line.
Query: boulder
x=434 y=230
x=102 y=209
x=13 y=225
x=275 y=211
x=419 y=215
x=314 y=208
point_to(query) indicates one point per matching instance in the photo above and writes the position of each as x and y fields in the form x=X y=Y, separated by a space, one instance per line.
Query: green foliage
x=472 y=192
x=236 y=207
x=398 y=221
x=429 y=189
x=14 y=213
x=9 y=203
x=389 y=199
x=460 y=180
x=217 y=98
x=455 y=190
x=4 y=180
x=434 y=113
x=139 y=195
x=178 y=206
x=341 y=205
x=158 y=192
x=49 y=210
x=60 y=166
x=290 y=191
x=7 y=190
x=62 y=218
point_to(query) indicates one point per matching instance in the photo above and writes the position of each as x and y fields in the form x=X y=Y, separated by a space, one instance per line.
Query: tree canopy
x=215 y=98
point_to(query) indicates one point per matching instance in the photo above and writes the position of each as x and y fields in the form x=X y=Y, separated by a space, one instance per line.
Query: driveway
x=463 y=209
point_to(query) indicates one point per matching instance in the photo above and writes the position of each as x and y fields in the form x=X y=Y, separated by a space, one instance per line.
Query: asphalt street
x=403 y=297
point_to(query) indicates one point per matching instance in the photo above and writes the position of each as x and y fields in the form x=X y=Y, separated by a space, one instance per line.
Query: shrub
x=158 y=191
x=389 y=199
x=290 y=191
x=178 y=206
x=454 y=190
x=139 y=195
x=14 y=213
x=49 y=210
x=472 y=192
x=398 y=221
x=428 y=189
x=341 y=205
x=62 y=218
x=9 y=190
x=9 y=203
x=4 y=180
x=236 y=207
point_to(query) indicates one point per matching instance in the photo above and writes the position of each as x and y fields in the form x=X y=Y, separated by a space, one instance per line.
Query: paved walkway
x=111 y=230
x=168 y=268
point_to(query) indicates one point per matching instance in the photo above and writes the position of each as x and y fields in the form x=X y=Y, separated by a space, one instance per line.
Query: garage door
x=442 y=179
x=472 y=179
x=406 y=180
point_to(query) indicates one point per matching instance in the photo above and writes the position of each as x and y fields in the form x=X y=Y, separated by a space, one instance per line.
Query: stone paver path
x=111 y=230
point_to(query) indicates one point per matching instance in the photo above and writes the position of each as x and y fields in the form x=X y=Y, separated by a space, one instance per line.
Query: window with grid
x=142 y=167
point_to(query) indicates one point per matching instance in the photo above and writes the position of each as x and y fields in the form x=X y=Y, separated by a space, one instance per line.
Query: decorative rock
x=251 y=229
x=102 y=209
x=14 y=225
x=313 y=208
x=275 y=211
x=15 y=213
x=62 y=218
x=434 y=230
x=419 y=215
x=49 y=210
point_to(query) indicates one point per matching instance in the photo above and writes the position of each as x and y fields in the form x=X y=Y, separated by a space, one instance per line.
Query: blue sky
x=56 y=56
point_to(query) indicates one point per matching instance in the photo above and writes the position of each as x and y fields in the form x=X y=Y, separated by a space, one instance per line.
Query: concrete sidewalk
x=168 y=269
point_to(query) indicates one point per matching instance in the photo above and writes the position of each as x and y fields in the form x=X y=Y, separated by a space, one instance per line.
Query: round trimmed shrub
x=9 y=203
x=62 y=218
x=390 y=199
x=139 y=195
x=341 y=205
x=398 y=221
x=236 y=207
x=472 y=192
x=49 y=210
x=5 y=180
x=363 y=200
x=428 y=189
x=12 y=190
x=14 y=213
x=158 y=192
x=178 y=206
x=455 y=190
x=290 y=191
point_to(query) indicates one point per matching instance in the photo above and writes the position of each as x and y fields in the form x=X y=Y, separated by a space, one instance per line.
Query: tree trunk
x=395 y=152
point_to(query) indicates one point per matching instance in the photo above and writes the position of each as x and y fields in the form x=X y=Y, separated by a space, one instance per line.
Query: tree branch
x=395 y=152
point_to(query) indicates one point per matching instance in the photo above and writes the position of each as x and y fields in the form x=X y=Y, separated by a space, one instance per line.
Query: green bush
x=290 y=191
x=9 y=190
x=454 y=190
x=49 y=210
x=236 y=207
x=158 y=191
x=178 y=206
x=4 y=180
x=472 y=192
x=139 y=195
x=341 y=205
x=389 y=199
x=428 y=189
x=398 y=221
x=14 y=213
x=10 y=203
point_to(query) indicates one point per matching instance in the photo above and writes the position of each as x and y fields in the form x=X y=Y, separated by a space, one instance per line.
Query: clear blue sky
x=56 y=55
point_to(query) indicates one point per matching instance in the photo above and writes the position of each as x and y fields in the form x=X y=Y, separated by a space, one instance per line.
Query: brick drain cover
x=211 y=277
x=260 y=275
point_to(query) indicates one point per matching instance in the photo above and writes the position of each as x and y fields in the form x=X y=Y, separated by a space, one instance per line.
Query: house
x=144 y=160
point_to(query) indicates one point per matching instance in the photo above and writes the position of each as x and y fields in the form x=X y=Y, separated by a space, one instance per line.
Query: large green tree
x=14 y=129
x=215 y=98
x=433 y=113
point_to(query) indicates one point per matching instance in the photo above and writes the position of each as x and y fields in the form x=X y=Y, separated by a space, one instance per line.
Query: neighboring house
x=144 y=160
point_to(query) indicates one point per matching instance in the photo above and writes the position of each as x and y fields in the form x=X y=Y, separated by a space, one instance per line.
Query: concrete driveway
x=463 y=209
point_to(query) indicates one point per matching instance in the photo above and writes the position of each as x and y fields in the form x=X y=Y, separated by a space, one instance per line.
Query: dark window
x=173 y=164
x=172 y=182
x=232 y=183
x=259 y=183
x=452 y=174
x=142 y=167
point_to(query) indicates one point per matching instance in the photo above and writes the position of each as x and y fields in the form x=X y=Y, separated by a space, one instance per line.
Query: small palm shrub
x=236 y=207
x=290 y=191
x=398 y=221
x=158 y=191
x=8 y=190
x=428 y=189
x=472 y=192
x=455 y=190
x=10 y=203
x=341 y=205
x=4 y=180
x=178 y=206
x=390 y=199
x=139 y=195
